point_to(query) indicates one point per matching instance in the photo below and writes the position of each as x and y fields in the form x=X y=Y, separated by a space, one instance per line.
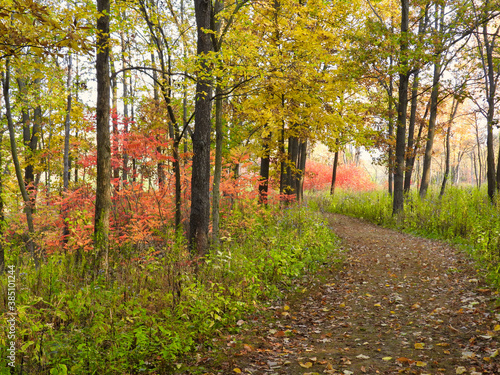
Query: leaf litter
x=399 y=305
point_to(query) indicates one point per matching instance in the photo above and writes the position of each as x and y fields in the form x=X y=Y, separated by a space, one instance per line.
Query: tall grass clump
x=463 y=215
x=158 y=308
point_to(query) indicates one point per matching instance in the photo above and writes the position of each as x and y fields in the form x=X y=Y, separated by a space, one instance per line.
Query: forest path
x=400 y=304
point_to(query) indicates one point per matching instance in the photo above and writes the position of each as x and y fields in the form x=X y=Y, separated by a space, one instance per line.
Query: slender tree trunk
x=410 y=156
x=200 y=180
x=291 y=168
x=30 y=246
x=114 y=119
x=454 y=108
x=398 y=201
x=447 y=161
x=66 y=166
x=125 y=104
x=219 y=132
x=390 y=155
x=335 y=166
x=219 y=139
x=411 y=133
x=2 y=216
x=480 y=176
x=103 y=190
x=426 y=170
x=264 y=172
x=281 y=146
x=301 y=169
x=30 y=138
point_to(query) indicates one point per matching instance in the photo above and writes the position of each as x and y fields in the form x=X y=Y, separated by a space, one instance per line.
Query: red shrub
x=319 y=177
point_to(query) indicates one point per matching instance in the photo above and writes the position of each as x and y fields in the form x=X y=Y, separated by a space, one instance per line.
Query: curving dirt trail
x=399 y=305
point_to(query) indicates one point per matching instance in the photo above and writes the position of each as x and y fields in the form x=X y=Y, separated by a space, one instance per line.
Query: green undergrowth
x=464 y=215
x=157 y=310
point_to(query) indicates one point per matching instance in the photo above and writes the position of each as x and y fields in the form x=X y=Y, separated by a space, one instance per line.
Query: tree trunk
x=426 y=170
x=411 y=133
x=410 y=158
x=454 y=107
x=30 y=139
x=103 y=190
x=480 y=176
x=30 y=246
x=334 y=172
x=2 y=216
x=264 y=171
x=125 y=105
x=114 y=119
x=219 y=139
x=301 y=169
x=398 y=201
x=391 y=134
x=200 y=180
x=219 y=134
x=291 y=168
x=283 y=158
x=66 y=164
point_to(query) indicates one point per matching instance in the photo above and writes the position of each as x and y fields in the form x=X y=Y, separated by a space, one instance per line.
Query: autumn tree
x=103 y=190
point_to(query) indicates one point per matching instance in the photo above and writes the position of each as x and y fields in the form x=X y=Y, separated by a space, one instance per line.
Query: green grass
x=463 y=215
x=156 y=310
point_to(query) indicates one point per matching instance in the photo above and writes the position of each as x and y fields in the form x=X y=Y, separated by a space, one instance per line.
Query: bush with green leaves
x=154 y=310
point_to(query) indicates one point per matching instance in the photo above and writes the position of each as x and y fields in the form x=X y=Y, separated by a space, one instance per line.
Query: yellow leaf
x=421 y=364
x=286 y=308
x=497 y=328
x=386 y=358
x=419 y=345
x=377 y=305
x=342 y=305
x=306 y=365
x=446 y=351
x=237 y=370
x=460 y=370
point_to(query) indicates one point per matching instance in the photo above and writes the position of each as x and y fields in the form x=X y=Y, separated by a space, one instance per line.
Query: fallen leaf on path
x=237 y=370
x=362 y=356
x=421 y=364
x=460 y=370
x=419 y=345
x=386 y=358
x=306 y=365
x=468 y=355
x=408 y=361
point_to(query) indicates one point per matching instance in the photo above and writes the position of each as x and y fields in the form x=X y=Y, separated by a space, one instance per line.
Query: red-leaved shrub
x=319 y=177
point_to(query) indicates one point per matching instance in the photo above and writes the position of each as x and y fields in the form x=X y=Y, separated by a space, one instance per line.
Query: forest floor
x=398 y=304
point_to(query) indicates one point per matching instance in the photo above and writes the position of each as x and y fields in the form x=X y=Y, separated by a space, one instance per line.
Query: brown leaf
x=306 y=365
x=280 y=334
